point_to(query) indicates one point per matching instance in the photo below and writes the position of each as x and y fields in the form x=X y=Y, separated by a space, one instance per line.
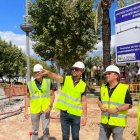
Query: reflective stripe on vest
x=117 y=99
x=68 y=104
x=113 y=103
x=114 y=115
x=70 y=97
x=43 y=95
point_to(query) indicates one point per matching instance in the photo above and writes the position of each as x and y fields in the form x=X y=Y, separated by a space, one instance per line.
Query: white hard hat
x=79 y=64
x=138 y=72
x=112 y=68
x=37 y=68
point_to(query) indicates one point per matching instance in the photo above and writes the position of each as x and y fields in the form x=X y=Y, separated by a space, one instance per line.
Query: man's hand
x=83 y=120
x=112 y=110
x=26 y=115
x=48 y=109
x=103 y=108
x=45 y=72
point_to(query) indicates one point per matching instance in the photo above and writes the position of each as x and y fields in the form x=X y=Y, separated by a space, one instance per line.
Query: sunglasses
x=76 y=69
x=109 y=73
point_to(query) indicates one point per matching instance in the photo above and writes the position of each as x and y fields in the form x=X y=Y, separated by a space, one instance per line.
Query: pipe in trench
x=10 y=97
x=16 y=112
x=12 y=111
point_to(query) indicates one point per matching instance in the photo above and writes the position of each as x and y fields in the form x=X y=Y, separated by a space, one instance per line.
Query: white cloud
x=17 y=39
x=99 y=47
x=20 y=41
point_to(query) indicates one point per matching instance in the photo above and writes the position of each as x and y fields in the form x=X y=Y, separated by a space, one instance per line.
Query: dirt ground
x=17 y=128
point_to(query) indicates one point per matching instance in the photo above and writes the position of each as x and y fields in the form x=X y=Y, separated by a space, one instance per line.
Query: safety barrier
x=134 y=88
x=15 y=90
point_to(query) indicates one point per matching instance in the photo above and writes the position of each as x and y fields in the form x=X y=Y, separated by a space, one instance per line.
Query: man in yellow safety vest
x=41 y=97
x=71 y=101
x=114 y=102
x=138 y=129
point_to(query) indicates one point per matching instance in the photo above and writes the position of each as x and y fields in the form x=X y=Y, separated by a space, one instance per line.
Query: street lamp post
x=98 y=74
x=27 y=27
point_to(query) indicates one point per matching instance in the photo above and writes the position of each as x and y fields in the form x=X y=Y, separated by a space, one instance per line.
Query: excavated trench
x=11 y=106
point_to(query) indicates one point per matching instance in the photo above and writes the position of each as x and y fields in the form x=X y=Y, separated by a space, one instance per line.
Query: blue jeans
x=106 y=131
x=67 y=121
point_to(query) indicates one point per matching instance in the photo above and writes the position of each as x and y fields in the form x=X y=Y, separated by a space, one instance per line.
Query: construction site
x=15 y=127
x=102 y=36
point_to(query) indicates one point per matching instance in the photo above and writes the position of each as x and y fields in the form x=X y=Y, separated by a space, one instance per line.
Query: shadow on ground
x=51 y=138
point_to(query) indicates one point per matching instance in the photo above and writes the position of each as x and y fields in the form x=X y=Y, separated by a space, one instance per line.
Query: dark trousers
x=67 y=121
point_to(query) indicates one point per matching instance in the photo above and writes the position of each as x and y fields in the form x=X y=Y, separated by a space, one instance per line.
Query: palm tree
x=106 y=32
x=94 y=68
x=106 y=28
x=89 y=65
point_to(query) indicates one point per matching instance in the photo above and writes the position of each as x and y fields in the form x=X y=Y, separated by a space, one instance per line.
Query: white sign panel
x=127 y=37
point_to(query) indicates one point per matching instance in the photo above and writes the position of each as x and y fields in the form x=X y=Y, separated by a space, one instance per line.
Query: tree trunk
x=106 y=33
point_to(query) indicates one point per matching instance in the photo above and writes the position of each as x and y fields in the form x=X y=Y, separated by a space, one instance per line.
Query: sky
x=12 y=15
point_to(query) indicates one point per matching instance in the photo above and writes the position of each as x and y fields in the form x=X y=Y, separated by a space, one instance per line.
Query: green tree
x=88 y=64
x=11 y=60
x=95 y=65
x=62 y=34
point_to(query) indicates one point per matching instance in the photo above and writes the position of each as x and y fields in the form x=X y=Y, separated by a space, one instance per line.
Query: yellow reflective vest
x=39 y=99
x=138 y=129
x=117 y=99
x=70 y=97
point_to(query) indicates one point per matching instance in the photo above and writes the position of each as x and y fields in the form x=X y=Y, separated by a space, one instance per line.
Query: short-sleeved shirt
x=128 y=99
x=75 y=83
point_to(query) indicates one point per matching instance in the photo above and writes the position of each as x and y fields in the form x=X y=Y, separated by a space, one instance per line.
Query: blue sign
x=129 y=53
x=128 y=13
